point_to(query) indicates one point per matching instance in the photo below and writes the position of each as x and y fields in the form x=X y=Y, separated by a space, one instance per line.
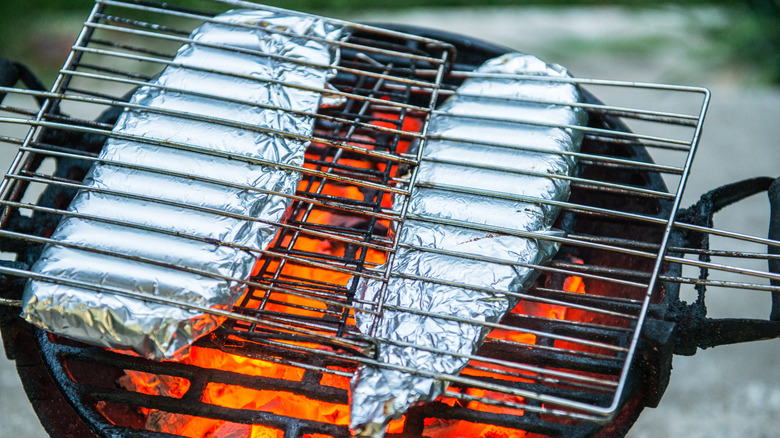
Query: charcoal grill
x=627 y=239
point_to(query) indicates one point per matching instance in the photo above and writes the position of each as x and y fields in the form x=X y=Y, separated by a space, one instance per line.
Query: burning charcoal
x=169 y=220
x=476 y=172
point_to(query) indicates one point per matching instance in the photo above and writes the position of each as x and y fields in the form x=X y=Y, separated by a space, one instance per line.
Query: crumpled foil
x=381 y=394
x=157 y=330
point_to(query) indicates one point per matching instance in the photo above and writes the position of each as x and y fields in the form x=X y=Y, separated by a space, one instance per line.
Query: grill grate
x=618 y=220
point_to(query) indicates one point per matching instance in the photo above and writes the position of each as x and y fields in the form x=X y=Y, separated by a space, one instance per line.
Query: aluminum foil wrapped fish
x=432 y=325
x=158 y=221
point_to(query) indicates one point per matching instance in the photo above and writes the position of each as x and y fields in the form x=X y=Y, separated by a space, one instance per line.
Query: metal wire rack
x=571 y=362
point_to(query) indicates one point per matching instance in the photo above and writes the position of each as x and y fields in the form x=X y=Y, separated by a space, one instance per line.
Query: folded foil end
x=379 y=396
x=111 y=322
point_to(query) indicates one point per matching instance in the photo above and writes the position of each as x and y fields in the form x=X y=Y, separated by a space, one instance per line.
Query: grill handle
x=13 y=72
x=694 y=329
x=774 y=234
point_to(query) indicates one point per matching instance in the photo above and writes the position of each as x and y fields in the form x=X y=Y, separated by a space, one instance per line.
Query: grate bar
x=261 y=54
x=51 y=181
x=534 y=235
x=10 y=303
x=335 y=205
x=522 y=265
x=339 y=43
x=164 y=62
x=596 y=158
x=47 y=241
x=722 y=253
x=184 y=114
x=722 y=267
x=725 y=233
x=522 y=296
x=568 y=126
x=162 y=300
x=192 y=148
x=525 y=407
x=553 y=373
x=596 y=183
x=720 y=283
x=535 y=200
x=551 y=400
x=491 y=325
x=618 y=111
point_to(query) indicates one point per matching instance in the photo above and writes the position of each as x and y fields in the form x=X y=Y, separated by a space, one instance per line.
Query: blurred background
x=732 y=48
x=738 y=40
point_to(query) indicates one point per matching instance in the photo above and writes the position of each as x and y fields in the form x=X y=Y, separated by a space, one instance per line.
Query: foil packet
x=211 y=228
x=470 y=176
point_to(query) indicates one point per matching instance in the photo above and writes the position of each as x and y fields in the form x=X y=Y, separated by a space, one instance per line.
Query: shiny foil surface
x=162 y=236
x=431 y=327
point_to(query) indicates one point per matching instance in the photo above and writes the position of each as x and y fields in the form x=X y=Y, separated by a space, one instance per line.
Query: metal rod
x=725 y=253
x=519 y=295
x=169 y=63
x=189 y=176
x=167 y=301
x=339 y=43
x=61 y=80
x=660 y=259
x=726 y=233
x=720 y=283
x=258 y=53
x=585 y=81
x=618 y=111
x=573 y=179
x=493 y=325
x=586 y=129
x=191 y=115
x=537 y=235
x=541 y=201
x=721 y=267
x=596 y=158
x=534 y=409
x=191 y=148
x=520 y=264
x=405 y=202
x=10 y=303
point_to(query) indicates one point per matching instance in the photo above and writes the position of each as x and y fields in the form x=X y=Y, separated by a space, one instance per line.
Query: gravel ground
x=725 y=392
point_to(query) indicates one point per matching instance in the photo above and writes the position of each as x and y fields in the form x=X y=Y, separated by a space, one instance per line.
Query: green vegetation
x=754 y=40
x=40 y=31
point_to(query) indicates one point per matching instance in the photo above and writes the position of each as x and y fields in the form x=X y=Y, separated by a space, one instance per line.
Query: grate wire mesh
x=388 y=85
